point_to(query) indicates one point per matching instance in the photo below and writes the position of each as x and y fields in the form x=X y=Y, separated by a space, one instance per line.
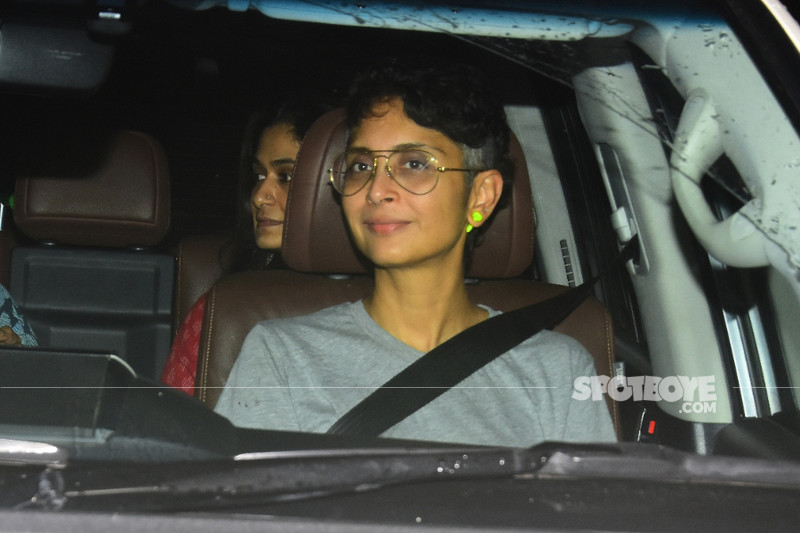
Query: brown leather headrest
x=119 y=196
x=316 y=238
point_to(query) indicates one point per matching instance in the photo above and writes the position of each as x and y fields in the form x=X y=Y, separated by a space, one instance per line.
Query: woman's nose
x=381 y=187
x=267 y=192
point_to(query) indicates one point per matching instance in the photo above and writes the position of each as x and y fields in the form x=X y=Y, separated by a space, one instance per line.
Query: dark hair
x=454 y=99
x=241 y=253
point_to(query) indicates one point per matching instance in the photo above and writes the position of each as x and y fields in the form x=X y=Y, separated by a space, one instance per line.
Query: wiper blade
x=279 y=476
x=292 y=475
x=263 y=477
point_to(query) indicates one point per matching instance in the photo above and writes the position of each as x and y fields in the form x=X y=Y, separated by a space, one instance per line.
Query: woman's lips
x=268 y=222
x=385 y=227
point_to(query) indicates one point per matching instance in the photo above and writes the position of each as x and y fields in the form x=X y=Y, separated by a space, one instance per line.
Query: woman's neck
x=422 y=308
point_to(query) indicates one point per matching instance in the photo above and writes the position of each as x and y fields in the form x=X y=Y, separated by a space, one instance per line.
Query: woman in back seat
x=266 y=166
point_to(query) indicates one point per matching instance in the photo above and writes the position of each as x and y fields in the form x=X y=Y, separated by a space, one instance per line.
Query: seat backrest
x=316 y=242
x=91 y=283
x=199 y=266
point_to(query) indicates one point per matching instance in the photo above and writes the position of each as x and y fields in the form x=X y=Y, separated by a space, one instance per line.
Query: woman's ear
x=484 y=195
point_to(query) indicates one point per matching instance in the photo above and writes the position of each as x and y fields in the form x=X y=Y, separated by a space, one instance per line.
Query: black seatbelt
x=451 y=362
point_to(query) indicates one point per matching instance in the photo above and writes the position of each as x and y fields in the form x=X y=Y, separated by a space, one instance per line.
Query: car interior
x=89 y=279
x=118 y=220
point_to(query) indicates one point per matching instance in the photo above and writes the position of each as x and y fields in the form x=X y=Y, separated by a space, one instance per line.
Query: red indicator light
x=652 y=427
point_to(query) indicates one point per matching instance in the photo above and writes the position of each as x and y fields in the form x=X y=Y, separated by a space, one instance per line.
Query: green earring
x=476 y=217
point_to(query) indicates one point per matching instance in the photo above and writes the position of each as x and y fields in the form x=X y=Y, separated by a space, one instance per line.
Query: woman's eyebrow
x=418 y=146
x=402 y=146
x=275 y=162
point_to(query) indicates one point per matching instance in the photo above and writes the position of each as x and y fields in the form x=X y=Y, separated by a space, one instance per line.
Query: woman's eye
x=414 y=165
x=413 y=161
x=284 y=173
x=360 y=166
x=260 y=176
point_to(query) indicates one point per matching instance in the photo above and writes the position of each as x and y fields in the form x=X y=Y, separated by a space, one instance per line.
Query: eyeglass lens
x=413 y=170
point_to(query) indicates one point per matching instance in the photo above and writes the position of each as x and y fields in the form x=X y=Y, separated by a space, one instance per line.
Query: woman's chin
x=269 y=242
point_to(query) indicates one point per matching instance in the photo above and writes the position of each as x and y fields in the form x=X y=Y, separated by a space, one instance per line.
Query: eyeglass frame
x=376 y=154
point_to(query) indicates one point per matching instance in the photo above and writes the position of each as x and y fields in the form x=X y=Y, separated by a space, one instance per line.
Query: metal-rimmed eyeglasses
x=416 y=171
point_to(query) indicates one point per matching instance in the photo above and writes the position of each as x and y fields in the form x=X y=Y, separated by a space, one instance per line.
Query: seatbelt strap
x=451 y=362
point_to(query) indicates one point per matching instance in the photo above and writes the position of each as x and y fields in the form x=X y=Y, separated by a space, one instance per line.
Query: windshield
x=658 y=148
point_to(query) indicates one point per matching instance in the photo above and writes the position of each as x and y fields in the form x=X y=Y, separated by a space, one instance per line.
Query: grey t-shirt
x=304 y=373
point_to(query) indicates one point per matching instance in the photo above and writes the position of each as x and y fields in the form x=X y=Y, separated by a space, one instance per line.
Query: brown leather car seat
x=92 y=281
x=326 y=269
x=199 y=266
